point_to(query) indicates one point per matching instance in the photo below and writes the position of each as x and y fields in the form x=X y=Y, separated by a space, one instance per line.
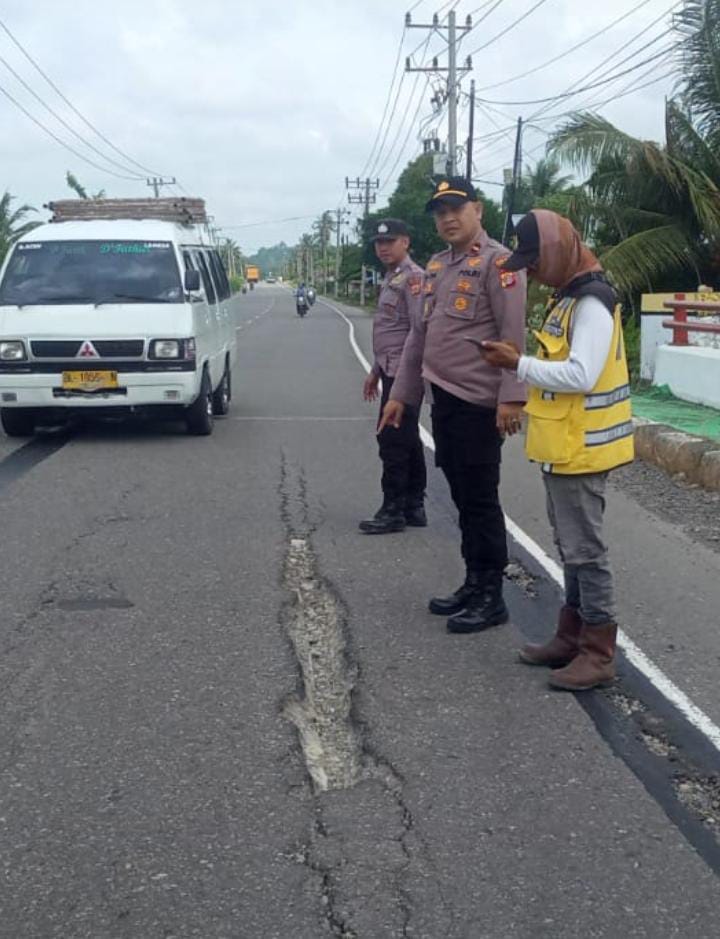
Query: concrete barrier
x=697 y=458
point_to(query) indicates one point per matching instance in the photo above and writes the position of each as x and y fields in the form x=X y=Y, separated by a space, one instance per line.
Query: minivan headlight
x=12 y=350
x=166 y=349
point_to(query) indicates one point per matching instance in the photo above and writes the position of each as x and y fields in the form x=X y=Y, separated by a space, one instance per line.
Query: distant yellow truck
x=252 y=274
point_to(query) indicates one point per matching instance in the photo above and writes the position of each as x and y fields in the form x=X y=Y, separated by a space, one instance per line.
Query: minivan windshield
x=64 y=272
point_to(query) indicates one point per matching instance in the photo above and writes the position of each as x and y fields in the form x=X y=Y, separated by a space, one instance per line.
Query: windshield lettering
x=67 y=272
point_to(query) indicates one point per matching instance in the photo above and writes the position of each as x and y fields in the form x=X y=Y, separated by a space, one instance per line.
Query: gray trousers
x=575 y=506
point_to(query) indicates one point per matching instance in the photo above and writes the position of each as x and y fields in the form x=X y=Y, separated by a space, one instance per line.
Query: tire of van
x=199 y=416
x=18 y=422
x=222 y=394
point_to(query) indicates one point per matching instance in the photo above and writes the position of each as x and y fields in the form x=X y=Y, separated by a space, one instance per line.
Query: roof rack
x=185 y=211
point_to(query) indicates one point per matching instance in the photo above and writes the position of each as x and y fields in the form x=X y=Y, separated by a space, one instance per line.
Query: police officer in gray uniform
x=401 y=450
x=469 y=298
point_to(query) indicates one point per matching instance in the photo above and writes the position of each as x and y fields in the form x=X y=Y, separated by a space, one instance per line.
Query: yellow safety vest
x=573 y=433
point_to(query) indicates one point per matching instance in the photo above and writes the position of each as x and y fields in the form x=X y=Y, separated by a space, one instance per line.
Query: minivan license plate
x=89 y=381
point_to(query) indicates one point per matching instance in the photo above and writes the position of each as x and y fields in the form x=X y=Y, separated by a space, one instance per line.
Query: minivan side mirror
x=192 y=281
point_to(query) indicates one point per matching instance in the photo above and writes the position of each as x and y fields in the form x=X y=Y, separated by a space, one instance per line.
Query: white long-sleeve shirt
x=591 y=335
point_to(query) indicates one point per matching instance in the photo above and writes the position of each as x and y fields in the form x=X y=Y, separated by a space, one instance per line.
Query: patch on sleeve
x=507 y=279
x=415 y=284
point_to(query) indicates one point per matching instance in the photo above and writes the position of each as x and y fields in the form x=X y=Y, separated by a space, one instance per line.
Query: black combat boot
x=388 y=518
x=446 y=606
x=485 y=607
x=415 y=512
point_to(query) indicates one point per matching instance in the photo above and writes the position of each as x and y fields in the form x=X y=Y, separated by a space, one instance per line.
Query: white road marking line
x=248 y=322
x=634 y=654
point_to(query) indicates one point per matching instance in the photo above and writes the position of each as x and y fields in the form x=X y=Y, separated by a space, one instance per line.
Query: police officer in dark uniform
x=469 y=298
x=401 y=450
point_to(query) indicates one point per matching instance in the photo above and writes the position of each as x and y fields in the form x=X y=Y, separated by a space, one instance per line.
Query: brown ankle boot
x=594 y=664
x=562 y=648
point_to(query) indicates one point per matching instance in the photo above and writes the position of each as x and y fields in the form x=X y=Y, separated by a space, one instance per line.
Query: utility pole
x=452 y=96
x=157 y=181
x=516 y=173
x=471 y=130
x=454 y=34
x=340 y=215
x=369 y=196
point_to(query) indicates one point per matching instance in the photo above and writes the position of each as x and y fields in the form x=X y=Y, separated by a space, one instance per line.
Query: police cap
x=452 y=190
x=388 y=229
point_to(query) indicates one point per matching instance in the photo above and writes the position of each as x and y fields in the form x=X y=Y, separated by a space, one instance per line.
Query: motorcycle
x=301 y=305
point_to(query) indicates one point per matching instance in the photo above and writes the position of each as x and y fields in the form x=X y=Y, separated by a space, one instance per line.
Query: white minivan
x=115 y=315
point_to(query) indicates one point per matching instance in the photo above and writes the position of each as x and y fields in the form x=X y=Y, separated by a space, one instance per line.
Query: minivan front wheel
x=18 y=422
x=222 y=394
x=199 y=416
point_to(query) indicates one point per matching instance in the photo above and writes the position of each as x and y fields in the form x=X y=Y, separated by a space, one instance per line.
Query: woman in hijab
x=579 y=428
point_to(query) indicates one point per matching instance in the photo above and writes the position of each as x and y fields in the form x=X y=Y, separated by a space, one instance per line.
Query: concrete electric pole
x=516 y=174
x=454 y=34
x=157 y=181
x=340 y=216
x=368 y=197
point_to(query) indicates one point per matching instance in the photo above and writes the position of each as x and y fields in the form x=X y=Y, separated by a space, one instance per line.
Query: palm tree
x=544 y=179
x=12 y=222
x=653 y=210
x=76 y=186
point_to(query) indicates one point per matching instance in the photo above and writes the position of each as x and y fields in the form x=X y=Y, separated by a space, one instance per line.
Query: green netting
x=659 y=404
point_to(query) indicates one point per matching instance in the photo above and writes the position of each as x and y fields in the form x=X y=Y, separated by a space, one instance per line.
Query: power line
x=387 y=101
x=61 y=141
x=405 y=143
x=64 y=123
x=72 y=106
x=507 y=29
x=377 y=167
x=482 y=7
x=597 y=84
x=612 y=78
x=273 y=221
x=617 y=52
x=566 y=52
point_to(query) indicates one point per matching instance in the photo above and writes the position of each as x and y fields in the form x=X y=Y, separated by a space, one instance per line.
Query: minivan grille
x=69 y=348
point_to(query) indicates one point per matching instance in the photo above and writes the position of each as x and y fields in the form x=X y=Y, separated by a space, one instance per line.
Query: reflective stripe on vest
x=571 y=433
x=595 y=438
x=606 y=399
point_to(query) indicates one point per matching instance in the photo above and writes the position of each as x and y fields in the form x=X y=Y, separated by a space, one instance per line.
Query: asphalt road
x=226 y=714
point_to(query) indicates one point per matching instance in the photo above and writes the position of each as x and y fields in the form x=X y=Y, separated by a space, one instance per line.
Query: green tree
x=76 y=186
x=13 y=222
x=414 y=187
x=652 y=210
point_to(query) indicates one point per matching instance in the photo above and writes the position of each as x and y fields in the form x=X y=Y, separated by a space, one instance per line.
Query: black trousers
x=404 y=475
x=467 y=449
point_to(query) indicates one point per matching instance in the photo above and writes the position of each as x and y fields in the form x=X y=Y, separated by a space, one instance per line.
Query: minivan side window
x=220 y=275
x=206 y=278
x=188 y=261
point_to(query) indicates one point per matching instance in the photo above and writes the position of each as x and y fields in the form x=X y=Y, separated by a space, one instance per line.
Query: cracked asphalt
x=151 y=783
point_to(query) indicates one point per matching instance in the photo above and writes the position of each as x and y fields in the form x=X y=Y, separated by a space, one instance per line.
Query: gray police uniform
x=401 y=451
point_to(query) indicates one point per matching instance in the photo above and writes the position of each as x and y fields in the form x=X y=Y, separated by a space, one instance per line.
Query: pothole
x=701 y=794
x=625 y=702
x=523 y=579
x=330 y=742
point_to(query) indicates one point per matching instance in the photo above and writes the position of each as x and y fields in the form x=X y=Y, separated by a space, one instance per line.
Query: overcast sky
x=264 y=108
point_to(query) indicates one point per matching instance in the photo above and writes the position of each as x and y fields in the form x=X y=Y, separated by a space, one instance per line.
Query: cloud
x=263 y=109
